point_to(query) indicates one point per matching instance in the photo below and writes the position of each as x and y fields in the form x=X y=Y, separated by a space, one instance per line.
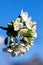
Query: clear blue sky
x=9 y=10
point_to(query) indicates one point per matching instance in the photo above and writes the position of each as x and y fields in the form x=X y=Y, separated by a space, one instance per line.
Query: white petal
x=27 y=48
x=34 y=28
x=9 y=50
x=24 y=15
x=23 y=50
x=32 y=44
x=22 y=11
x=35 y=35
x=17 y=25
x=28 y=24
x=22 y=44
x=22 y=32
x=18 y=19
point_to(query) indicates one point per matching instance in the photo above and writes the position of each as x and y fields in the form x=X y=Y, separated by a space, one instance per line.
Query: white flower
x=16 y=53
x=22 y=44
x=31 y=44
x=30 y=24
x=34 y=28
x=34 y=34
x=17 y=25
x=24 y=15
x=9 y=50
x=27 y=48
x=22 y=50
x=25 y=39
x=22 y=32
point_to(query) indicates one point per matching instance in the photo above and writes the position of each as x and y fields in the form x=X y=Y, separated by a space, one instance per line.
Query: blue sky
x=9 y=10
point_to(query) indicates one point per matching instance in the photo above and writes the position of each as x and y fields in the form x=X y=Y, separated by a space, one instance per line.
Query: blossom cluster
x=26 y=29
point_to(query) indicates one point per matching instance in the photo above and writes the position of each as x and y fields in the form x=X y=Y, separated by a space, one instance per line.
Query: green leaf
x=29 y=33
